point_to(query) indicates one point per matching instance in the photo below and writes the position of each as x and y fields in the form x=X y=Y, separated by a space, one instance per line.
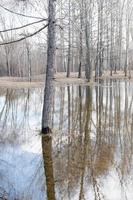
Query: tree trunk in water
x=48 y=92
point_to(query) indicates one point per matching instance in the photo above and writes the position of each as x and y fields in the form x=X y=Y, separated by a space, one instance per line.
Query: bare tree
x=48 y=92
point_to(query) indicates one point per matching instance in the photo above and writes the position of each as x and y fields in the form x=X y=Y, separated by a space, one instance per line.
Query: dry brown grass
x=60 y=78
x=15 y=82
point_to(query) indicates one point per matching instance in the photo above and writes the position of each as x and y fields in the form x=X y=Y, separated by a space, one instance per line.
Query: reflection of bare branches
x=15 y=114
x=106 y=139
x=36 y=179
x=3 y=194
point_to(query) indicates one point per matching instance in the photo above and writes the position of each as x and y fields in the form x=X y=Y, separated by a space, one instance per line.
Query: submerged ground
x=91 y=148
x=60 y=78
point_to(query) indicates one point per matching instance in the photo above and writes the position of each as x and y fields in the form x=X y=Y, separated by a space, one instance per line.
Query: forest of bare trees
x=91 y=37
x=66 y=98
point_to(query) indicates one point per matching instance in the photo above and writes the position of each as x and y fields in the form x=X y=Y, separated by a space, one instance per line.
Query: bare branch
x=20 y=27
x=23 y=38
x=20 y=14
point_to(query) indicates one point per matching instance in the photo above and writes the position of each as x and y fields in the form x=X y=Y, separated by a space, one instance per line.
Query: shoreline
x=60 y=78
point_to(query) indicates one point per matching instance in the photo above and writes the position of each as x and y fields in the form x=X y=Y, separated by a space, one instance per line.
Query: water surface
x=89 y=155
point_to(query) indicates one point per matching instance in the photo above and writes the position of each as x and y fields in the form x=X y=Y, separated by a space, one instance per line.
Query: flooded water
x=90 y=153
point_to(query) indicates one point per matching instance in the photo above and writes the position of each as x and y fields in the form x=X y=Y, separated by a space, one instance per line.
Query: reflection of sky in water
x=21 y=168
x=20 y=149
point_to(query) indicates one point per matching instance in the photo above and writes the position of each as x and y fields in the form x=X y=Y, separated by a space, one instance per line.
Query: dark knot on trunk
x=46 y=130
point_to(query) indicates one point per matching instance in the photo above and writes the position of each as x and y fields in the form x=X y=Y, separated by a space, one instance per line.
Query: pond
x=90 y=152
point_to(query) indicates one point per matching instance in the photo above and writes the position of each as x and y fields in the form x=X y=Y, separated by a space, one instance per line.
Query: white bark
x=48 y=92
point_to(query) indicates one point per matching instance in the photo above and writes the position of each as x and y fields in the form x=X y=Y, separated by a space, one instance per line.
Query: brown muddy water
x=89 y=155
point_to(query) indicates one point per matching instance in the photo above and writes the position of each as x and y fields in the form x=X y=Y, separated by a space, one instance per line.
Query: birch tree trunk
x=81 y=40
x=87 y=40
x=101 y=40
x=48 y=92
x=120 y=32
x=98 y=42
x=69 y=41
x=111 y=40
x=127 y=38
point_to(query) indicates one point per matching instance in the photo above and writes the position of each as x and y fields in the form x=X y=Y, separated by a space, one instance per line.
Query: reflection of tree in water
x=48 y=165
x=14 y=112
x=96 y=142
x=92 y=136
x=15 y=134
x=12 y=104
